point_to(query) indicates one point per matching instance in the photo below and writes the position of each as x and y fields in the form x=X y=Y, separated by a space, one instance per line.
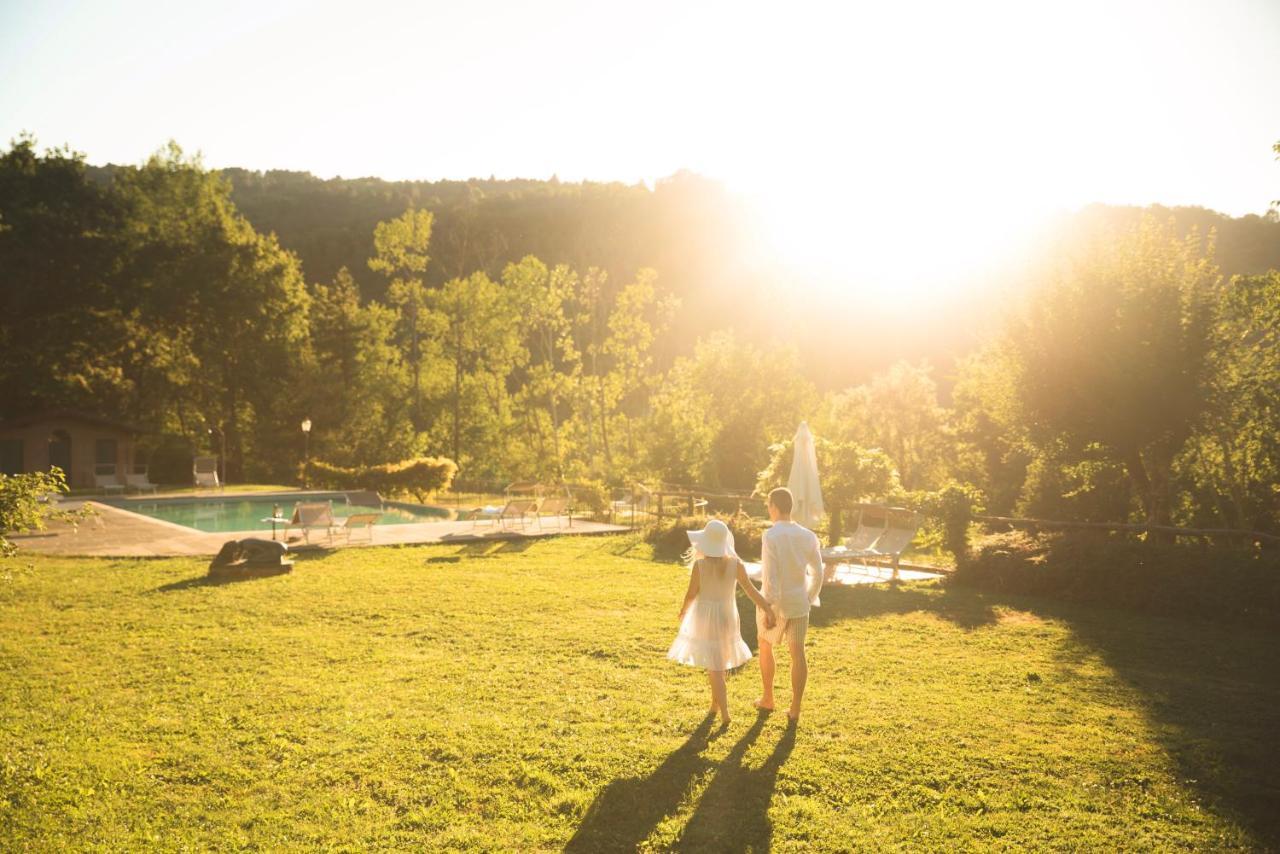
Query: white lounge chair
x=356 y=521
x=104 y=478
x=140 y=481
x=205 y=472
x=896 y=538
x=554 y=507
x=861 y=543
x=517 y=509
x=312 y=514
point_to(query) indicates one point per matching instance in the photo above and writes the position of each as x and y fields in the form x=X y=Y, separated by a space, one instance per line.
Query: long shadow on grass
x=1211 y=691
x=628 y=810
x=208 y=581
x=733 y=813
x=1212 y=695
x=966 y=610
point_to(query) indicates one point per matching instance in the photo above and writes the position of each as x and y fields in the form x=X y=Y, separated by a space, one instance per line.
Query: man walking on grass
x=791 y=570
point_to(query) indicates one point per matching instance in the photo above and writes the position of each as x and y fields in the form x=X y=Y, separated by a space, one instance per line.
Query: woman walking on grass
x=710 y=634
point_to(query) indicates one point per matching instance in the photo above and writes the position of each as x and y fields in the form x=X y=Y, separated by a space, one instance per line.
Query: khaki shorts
x=792 y=632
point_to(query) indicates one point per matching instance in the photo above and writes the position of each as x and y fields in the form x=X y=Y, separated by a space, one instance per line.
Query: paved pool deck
x=114 y=532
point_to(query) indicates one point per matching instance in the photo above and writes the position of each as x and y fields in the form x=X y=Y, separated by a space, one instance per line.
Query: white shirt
x=791 y=569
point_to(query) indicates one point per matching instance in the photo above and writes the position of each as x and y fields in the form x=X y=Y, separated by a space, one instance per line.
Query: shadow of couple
x=732 y=814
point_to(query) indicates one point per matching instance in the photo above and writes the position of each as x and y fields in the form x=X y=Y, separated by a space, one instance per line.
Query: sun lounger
x=310 y=515
x=357 y=521
x=871 y=527
x=104 y=478
x=515 y=510
x=205 y=472
x=896 y=538
x=554 y=507
x=139 y=481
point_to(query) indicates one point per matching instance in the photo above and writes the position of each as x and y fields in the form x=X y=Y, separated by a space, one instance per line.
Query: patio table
x=274 y=520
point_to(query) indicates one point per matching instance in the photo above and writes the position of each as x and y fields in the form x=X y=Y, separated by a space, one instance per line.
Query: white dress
x=710 y=635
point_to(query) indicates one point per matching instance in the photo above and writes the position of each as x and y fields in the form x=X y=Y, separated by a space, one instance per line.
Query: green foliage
x=1116 y=352
x=482 y=346
x=953 y=506
x=1214 y=582
x=1234 y=458
x=992 y=448
x=1088 y=485
x=21 y=506
x=897 y=412
x=515 y=327
x=670 y=538
x=358 y=394
x=591 y=495
x=718 y=412
x=422 y=477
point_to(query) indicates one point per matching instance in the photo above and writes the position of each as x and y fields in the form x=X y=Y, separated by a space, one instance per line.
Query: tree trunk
x=604 y=428
x=457 y=409
x=1153 y=493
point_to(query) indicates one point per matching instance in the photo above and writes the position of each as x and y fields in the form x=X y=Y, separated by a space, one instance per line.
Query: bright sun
x=862 y=242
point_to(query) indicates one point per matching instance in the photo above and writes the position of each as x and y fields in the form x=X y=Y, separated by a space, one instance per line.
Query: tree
x=640 y=318
x=541 y=295
x=1235 y=453
x=719 y=411
x=898 y=412
x=993 y=448
x=65 y=331
x=226 y=306
x=360 y=386
x=1115 y=352
x=482 y=346
x=400 y=253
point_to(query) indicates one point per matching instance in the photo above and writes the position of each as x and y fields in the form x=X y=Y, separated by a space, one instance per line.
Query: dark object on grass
x=249 y=557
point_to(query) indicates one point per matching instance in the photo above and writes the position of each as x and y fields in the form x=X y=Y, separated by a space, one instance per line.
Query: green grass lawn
x=516 y=697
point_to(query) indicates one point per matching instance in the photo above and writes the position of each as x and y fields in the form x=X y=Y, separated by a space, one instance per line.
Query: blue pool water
x=245 y=513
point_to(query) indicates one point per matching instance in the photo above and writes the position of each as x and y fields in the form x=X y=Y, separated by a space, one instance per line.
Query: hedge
x=421 y=477
x=1175 y=579
x=670 y=540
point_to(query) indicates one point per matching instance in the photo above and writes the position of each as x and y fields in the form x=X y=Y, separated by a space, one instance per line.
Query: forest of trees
x=540 y=329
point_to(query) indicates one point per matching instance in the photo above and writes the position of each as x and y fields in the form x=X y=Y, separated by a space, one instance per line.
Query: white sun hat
x=715 y=540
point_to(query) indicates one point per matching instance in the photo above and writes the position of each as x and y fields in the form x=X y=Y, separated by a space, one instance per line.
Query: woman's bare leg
x=718 y=695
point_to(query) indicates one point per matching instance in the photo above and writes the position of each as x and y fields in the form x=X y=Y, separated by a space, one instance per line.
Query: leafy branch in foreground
x=25 y=505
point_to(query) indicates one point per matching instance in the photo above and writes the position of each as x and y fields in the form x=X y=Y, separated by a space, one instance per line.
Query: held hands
x=770 y=619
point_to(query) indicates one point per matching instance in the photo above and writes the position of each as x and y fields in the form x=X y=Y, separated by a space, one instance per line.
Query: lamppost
x=306 y=450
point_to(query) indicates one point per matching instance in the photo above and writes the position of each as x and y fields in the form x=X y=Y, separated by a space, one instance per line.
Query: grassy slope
x=497 y=697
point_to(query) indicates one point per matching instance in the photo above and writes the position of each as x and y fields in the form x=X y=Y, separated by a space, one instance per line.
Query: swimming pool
x=245 y=513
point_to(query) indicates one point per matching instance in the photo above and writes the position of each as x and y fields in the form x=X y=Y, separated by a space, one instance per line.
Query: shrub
x=590 y=495
x=1179 y=579
x=670 y=540
x=21 y=508
x=421 y=477
x=952 y=508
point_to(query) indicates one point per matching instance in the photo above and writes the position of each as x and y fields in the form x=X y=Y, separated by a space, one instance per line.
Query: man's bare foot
x=793 y=716
x=763 y=706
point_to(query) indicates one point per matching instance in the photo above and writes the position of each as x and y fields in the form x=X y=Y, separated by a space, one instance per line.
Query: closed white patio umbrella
x=803 y=482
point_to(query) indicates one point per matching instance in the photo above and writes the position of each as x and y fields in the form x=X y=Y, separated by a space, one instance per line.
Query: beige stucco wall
x=84 y=437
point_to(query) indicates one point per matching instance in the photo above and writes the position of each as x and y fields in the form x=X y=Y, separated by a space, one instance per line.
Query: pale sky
x=838 y=116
